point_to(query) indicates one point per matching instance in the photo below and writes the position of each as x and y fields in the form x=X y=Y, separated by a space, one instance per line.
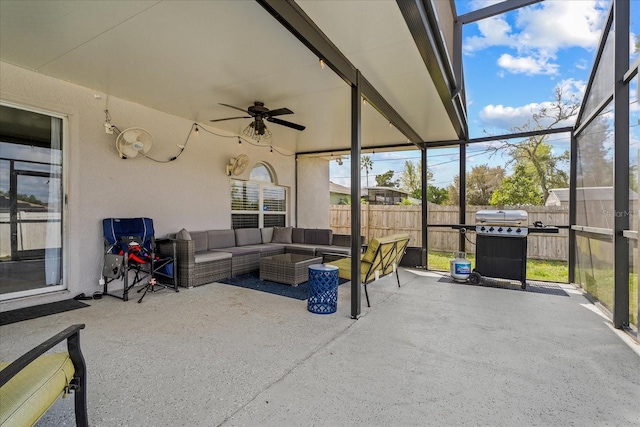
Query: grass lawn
x=551 y=271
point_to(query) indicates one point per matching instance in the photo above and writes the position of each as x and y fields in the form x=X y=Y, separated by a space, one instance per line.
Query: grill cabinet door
x=502 y=257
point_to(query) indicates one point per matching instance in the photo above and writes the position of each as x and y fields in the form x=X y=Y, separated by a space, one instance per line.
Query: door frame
x=64 y=211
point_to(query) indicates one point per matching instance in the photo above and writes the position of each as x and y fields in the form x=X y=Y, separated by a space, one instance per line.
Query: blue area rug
x=253 y=281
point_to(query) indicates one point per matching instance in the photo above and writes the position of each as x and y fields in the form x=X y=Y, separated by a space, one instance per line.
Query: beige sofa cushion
x=281 y=235
x=201 y=242
x=248 y=236
x=221 y=239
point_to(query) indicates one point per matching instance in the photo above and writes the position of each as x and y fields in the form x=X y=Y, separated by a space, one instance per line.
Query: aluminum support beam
x=500 y=137
x=493 y=10
x=292 y=17
x=356 y=223
x=420 y=17
x=425 y=210
x=463 y=193
x=573 y=177
x=621 y=11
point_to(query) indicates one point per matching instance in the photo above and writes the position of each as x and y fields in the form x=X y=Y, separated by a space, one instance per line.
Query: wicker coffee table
x=291 y=269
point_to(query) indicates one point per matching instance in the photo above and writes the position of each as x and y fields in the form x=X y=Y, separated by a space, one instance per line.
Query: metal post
x=296 y=184
x=621 y=165
x=462 y=217
x=573 y=176
x=425 y=211
x=356 y=223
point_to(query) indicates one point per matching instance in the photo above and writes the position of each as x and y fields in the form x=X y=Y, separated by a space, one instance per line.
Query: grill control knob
x=490 y=228
x=518 y=230
x=482 y=228
x=509 y=230
x=500 y=230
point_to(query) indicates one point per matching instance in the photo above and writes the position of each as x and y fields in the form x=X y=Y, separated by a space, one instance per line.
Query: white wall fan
x=133 y=141
x=237 y=165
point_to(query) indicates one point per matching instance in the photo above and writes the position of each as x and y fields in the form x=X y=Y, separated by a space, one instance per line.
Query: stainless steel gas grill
x=501 y=245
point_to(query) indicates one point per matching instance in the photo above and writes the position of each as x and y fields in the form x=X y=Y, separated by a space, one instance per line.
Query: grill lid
x=502 y=217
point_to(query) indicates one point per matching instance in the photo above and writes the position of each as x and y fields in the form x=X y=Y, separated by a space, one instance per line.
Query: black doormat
x=253 y=281
x=27 y=313
x=535 y=286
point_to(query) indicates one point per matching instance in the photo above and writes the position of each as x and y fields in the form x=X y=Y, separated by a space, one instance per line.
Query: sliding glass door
x=31 y=203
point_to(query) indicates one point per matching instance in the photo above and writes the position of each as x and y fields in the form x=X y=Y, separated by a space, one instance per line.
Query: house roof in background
x=338 y=189
x=589 y=193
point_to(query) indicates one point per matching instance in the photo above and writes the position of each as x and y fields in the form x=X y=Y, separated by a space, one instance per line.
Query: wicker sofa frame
x=228 y=253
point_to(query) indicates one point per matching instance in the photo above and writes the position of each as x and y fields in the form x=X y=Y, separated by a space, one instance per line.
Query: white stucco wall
x=313 y=192
x=191 y=192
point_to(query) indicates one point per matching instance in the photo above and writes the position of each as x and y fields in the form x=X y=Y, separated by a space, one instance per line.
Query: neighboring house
x=560 y=196
x=339 y=194
x=385 y=195
x=22 y=206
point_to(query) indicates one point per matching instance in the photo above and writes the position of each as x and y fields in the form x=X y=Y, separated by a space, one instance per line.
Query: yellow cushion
x=28 y=395
x=344 y=266
x=386 y=245
x=371 y=250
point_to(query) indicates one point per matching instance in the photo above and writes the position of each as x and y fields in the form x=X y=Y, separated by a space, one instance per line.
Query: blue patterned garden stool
x=323 y=289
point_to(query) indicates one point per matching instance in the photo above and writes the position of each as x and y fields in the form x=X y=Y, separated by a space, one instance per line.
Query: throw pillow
x=183 y=235
x=281 y=235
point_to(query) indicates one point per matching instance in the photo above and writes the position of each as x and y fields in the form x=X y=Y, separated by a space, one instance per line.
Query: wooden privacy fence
x=381 y=220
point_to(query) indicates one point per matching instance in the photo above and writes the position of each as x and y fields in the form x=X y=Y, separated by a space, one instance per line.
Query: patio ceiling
x=186 y=57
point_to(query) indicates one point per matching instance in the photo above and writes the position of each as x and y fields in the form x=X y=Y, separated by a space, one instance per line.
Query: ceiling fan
x=258 y=129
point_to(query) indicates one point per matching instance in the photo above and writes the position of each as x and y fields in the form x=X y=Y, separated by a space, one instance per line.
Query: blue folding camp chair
x=130 y=245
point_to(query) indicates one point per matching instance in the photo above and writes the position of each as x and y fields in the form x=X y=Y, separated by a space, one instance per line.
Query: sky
x=512 y=65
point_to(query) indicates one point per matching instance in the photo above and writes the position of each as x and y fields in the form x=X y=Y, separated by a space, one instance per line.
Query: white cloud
x=500 y=116
x=572 y=89
x=506 y=117
x=538 y=32
x=495 y=31
x=581 y=64
x=559 y=24
x=528 y=65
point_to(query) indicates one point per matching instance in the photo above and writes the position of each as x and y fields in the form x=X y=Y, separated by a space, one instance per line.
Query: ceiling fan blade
x=285 y=123
x=244 y=110
x=230 y=118
x=279 y=112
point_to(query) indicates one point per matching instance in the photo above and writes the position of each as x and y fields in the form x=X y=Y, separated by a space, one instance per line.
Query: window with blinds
x=258 y=204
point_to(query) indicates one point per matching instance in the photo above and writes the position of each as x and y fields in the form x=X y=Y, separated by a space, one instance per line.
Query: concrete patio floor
x=428 y=353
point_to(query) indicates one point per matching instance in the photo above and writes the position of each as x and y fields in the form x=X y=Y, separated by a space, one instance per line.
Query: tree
x=386 y=180
x=518 y=189
x=534 y=153
x=411 y=178
x=367 y=164
x=595 y=164
x=482 y=180
x=437 y=195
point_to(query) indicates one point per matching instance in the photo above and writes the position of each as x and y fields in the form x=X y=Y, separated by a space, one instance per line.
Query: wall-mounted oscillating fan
x=132 y=142
x=238 y=165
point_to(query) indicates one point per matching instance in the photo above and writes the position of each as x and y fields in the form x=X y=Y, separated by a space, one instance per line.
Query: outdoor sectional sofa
x=211 y=255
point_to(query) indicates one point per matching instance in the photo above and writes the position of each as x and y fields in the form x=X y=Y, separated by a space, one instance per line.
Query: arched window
x=261 y=172
x=258 y=202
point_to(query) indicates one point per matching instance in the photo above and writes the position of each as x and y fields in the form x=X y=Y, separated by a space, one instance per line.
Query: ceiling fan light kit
x=257 y=130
